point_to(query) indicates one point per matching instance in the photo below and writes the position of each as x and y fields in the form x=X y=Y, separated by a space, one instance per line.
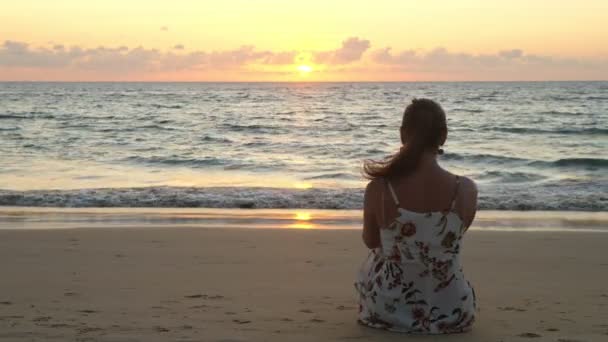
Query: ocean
x=528 y=145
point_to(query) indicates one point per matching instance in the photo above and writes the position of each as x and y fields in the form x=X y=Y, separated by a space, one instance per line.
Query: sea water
x=529 y=146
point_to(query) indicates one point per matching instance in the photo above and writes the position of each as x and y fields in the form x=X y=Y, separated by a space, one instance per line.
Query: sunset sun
x=304 y=69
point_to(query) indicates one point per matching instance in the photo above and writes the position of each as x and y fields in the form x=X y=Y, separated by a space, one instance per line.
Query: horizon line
x=379 y=81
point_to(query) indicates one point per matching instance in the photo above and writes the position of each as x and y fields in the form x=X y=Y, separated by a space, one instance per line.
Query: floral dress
x=414 y=283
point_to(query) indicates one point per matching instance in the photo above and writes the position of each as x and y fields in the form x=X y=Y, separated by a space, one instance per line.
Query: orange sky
x=263 y=40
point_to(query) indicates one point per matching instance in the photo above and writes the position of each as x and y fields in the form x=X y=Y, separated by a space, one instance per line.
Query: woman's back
x=413 y=282
x=428 y=189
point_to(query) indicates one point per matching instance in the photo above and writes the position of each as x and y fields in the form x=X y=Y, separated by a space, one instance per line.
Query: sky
x=312 y=40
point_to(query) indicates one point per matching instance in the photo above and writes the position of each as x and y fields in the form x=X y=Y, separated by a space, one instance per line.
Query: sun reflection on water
x=302 y=221
x=302 y=185
x=302 y=216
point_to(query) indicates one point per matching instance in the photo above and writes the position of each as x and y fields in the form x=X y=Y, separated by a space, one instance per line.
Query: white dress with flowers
x=414 y=283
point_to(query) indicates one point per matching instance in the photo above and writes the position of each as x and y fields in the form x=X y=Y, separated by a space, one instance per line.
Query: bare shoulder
x=468 y=188
x=374 y=187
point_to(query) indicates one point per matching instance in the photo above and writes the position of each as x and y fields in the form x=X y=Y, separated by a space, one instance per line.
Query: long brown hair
x=423 y=128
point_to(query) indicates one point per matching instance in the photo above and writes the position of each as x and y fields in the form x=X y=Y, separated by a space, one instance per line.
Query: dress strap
x=455 y=194
x=393 y=194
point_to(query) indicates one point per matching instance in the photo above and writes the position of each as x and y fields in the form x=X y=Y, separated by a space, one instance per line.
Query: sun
x=304 y=69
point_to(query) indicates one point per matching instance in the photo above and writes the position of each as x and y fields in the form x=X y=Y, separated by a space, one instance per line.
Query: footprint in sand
x=529 y=335
x=306 y=311
x=510 y=308
x=204 y=296
x=317 y=320
x=42 y=319
x=6 y=303
x=88 y=311
x=88 y=330
x=568 y=340
x=199 y=306
x=241 y=321
x=551 y=329
x=353 y=337
x=342 y=308
x=161 y=329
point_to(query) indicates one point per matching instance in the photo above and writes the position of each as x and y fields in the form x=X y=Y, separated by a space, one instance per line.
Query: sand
x=162 y=283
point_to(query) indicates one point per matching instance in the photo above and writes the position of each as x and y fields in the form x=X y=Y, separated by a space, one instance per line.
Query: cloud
x=353 y=59
x=280 y=58
x=505 y=64
x=19 y=54
x=510 y=54
x=14 y=53
x=352 y=50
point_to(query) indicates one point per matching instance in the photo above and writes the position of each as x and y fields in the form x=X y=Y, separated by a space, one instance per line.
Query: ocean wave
x=510 y=177
x=159 y=127
x=12 y=116
x=210 y=138
x=468 y=110
x=337 y=175
x=29 y=115
x=156 y=105
x=485 y=158
x=524 y=130
x=204 y=162
x=254 y=128
x=559 y=112
x=497 y=159
x=586 y=162
x=593 y=163
x=175 y=160
x=577 y=196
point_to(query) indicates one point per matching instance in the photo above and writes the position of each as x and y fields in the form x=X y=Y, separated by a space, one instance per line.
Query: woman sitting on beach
x=415 y=215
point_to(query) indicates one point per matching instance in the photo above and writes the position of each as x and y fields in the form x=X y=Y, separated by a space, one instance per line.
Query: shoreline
x=323 y=219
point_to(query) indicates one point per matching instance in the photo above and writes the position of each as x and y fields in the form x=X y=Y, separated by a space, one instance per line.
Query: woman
x=415 y=215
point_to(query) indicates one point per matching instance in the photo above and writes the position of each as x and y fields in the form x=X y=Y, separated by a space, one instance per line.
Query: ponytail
x=424 y=127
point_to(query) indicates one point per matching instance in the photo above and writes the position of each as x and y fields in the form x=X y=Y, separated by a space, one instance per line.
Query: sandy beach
x=137 y=279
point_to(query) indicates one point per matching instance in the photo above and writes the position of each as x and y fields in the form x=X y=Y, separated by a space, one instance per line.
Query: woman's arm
x=468 y=197
x=371 y=232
